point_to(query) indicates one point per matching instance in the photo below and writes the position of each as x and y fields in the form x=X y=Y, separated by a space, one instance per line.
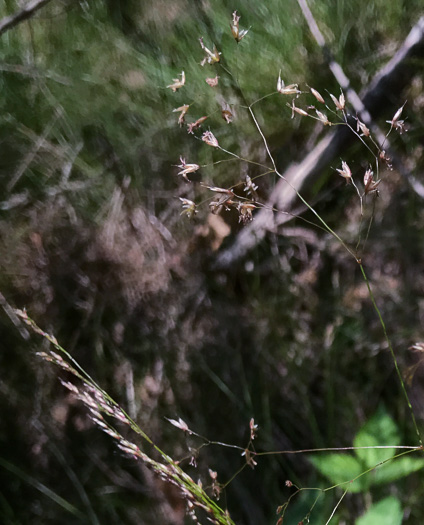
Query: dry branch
x=376 y=98
x=27 y=12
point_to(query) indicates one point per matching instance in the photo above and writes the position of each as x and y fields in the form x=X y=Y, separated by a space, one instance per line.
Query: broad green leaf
x=396 y=469
x=385 y=512
x=379 y=430
x=342 y=468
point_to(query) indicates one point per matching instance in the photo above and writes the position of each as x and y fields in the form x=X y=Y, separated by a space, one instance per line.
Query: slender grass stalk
x=392 y=353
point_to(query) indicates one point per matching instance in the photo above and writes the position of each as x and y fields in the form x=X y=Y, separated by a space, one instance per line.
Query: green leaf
x=396 y=469
x=379 y=430
x=385 y=512
x=341 y=468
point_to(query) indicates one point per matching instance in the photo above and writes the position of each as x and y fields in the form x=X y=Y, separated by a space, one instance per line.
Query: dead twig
x=24 y=14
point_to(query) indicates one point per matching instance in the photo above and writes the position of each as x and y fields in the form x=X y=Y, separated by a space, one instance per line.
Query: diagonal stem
x=389 y=344
x=20 y=16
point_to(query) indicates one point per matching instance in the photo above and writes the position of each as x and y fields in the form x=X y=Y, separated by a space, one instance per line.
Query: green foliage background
x=92 y=243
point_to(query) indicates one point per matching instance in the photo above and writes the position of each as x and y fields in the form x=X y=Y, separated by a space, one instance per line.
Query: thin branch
x=24 y=14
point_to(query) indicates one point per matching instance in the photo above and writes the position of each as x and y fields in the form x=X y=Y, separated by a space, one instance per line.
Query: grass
x=127 y=279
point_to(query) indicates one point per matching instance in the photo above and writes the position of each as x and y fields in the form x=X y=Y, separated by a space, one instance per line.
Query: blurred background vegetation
x=93 y=245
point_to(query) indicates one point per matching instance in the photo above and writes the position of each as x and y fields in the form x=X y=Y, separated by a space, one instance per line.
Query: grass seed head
x=189 y=207
x=245 y=210
x=295 y=109
x=361 y=127
x=209 y=138
x=177 y=82
x=322 y=117
x=237 y=33
x=226 y=113
x=292 y=89
x=253 y=429
x=387 y=160
x=211 y=57
x=212 y=82
x=370 y=185
x=248 y=454
x=345 y=172
x=181 y=424
x=250 y=188
x=395 y=122
x=340 y=103
x=186 y=169
x=317 y=95
x=182 y=110
x=194 y=125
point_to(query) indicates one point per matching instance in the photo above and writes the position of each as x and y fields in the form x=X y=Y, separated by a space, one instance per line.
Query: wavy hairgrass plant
x=369 y=456
x=243 y=198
